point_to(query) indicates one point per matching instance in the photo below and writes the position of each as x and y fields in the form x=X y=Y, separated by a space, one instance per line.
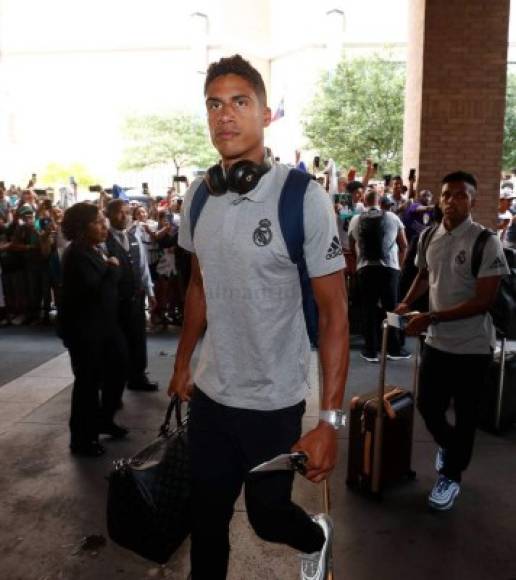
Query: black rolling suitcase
x=498 y=405
x=380 y=444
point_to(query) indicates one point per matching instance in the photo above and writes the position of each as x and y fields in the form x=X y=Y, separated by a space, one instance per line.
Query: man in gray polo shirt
x=460 y=332
x=377 y=239
x=252 y=376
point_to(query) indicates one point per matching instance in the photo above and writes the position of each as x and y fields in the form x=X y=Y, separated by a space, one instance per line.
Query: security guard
x=135 y=284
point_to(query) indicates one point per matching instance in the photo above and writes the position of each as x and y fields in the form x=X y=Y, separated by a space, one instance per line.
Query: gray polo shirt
x=255 y=353
x=448 y=260
x=393 y=225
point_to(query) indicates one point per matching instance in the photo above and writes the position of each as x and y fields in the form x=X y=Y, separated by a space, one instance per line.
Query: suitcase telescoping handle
x=378 y=428
x=326 y=501
x=378 y=439
x=500 y=385
x=326 y=483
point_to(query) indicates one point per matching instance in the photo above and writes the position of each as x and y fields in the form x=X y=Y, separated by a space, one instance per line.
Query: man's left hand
x=320 y=446
x=417 y=324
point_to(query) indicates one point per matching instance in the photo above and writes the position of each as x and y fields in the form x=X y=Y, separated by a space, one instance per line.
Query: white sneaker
x=442 y=497
x=439 y=459
x=318 y=565
x=401 y=355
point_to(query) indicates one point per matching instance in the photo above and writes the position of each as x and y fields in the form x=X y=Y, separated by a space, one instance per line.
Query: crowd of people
x=32 y=243
x=32 y=246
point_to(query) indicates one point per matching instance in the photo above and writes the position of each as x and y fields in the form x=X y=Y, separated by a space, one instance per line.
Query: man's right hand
x=181 y=384
x=112 y=261
x=402 y=308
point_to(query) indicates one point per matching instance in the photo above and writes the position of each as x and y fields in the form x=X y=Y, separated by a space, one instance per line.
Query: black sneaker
x=144 y=384
x=87 y=449
x=113 y=430
x=401 y=355
x=371 y=357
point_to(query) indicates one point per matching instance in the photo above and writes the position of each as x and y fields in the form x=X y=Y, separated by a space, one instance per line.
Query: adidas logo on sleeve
x=335 y=249
x=497 y=263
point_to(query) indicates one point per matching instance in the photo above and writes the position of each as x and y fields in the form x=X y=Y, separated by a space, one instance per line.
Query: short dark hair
x=354 y=186
x=76 y=220
x=397 y=178
x=371 y=197
x=386 y=201
x=236 y=65
x=114 y=205
x=460 y=176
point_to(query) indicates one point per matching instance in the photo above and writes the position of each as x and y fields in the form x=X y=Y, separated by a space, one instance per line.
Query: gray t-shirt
x=448 y=260
x=255 y=353
x=510 y=234
x=393 y=225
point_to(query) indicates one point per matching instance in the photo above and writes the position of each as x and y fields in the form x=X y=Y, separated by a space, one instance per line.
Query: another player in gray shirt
x=460 y=332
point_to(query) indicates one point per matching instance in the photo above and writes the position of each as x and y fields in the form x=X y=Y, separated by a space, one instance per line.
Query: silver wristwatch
x=335 y=417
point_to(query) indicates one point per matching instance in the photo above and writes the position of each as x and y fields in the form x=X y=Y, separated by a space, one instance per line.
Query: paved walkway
x=51 y=500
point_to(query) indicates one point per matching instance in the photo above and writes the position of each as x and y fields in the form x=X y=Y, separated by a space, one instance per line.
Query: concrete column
x=455 y=94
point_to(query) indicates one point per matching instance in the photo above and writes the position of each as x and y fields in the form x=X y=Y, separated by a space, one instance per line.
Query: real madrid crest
x=262 y=235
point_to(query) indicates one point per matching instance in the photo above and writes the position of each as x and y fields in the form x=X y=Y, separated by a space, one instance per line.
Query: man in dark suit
x=134 y=285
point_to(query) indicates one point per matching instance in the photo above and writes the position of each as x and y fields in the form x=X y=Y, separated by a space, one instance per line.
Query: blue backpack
x=290 y=209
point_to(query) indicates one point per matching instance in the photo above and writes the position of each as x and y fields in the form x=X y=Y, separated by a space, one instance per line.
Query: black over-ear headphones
x=241 y=177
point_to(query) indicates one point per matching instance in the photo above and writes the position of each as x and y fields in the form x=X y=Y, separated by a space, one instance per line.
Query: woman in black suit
x=89 y=328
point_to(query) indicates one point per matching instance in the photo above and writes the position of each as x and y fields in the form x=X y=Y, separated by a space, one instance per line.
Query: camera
x=44 y=223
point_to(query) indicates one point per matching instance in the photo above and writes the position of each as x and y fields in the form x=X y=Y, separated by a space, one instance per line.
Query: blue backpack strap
x=290 y=210
x=199 y=199
x=291 y=204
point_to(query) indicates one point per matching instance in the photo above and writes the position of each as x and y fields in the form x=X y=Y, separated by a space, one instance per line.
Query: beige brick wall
x=455 y=97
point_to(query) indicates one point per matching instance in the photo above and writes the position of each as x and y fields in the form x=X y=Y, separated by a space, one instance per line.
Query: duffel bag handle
x=175 y=403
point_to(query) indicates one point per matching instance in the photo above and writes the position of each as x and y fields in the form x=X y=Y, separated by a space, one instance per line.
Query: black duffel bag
x=148 y=507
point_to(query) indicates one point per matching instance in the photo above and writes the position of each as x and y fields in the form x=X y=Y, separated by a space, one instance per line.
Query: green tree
x=509 y=137
x=56 y=174
x=358 y=113
x=180 y=139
